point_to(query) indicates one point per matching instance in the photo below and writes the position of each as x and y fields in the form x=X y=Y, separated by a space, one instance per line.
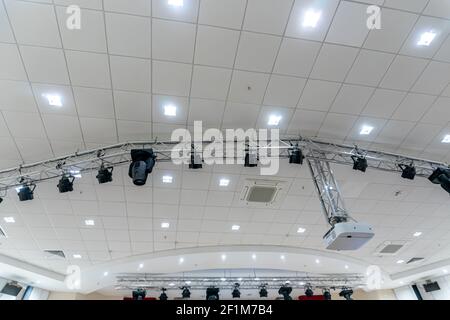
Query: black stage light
x=309 y=292
x=25 y=193
x=346 y=293
x=326 y=294
x=142 y=163
x=359 y=163
x=441 y=176
x=408 y=172
x=196 y=161
x=212 y=293
x=163 y=296
x=66 y=184
x=285 y=291
x=251 y=160
x=1 y=200
x=185 y=293
x=104 y=175
x=236 y=293
x=263 y=292
x=139 y=294
x=296 y=156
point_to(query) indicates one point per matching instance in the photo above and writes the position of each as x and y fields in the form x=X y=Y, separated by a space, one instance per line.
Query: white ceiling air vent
x=262 y=193
x=390 y=248
x=414 y=260
x=2 y=233
x=57 y=253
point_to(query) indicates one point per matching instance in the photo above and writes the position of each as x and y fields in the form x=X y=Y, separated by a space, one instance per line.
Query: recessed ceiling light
x=274 y=120
x=366 y=130
x=181 y=260
x=141 y=266
x=224 y=257
x=175 y=3
x=446 y=139
x=172 y=284
x=301 y=230
x=257 y=279
x=77 y=256
x=223 y=279
x=346 y=267
x=445 y=271
x=105 y=274
x=426 y=38
x=9 y=219
x=165 y=225
x=311 y=18
x=75 y=173
x=188 y=282
x=254 y=256
x=235 y=227
x=301 y=283
x=54 y=100
x=224 y=182
x=317 y=261
x=170 y=110
x=417 y=234
x=89 y=222
x=400 y=261
x=239 y=279
x=283 y=257
x=167 y=179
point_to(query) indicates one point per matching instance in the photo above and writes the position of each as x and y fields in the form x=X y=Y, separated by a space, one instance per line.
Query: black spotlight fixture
x=251 y=159
x=359 y=163
x=346 y=293
x=104 y=174
x=66 y=184
x=196 y=159
x=139 y=294
x=185 y=293
x=236 y=293
x=1 y=199
x=408 y=171
x=327 y=294
x=212 y=293
x=296 y=155
x=142 y=163
x=26 y=192
x=263 y=293
x=441 y=176
x=285 y=291
x=309 y=292
x=163 y=296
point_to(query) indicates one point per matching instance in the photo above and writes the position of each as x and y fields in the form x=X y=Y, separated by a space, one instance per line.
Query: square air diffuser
x=261 y=194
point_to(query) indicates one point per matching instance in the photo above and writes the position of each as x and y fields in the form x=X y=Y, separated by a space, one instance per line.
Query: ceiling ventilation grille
x=262 y=193
x=390 y=248
x=413 y=260
x=2 y=233
x=58 y=253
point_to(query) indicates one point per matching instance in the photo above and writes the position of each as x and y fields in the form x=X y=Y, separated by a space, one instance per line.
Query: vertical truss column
x=328 y=190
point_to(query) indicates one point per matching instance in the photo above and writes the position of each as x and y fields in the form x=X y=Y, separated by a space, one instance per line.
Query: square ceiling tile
x=228 y=14
x=16 y=96
x=130 y=74
x=6 y=34
x=187 y=12
x=349 y=24
x=132 y=106
x=421 y=135
x=319 y=95
x=45 y=65
x=403 y=73
x=369 y=68
x=88 y=4
x=173 y=41
x=210 y=83
x=257 y=52
x=138 y=7
x=24 y=125
x=289 y=62
x=248 y=87
x=394 y=132
x=11 y=66
x=325 y=67
x=408 y=5
x=90 y=37
x=216 y=46
x=284 y=91
x=296 y=28
x=438 y=8
x=439 y=113
x=33 y=23
x=352 y=99
x=62 y=127
x=99 y=130
x=171 y=78
x=267 y=16
x=128 y=35
x=159 y=103
x=383 y=103
x=434 y=79
x=425 y=24
x=64 y=92
x=88 y=69
x=239 y=115
x=396 y=26
x=95 y=103
x=444 y=52
x=34 y=149
x=134 y=130
x=413 y=107
x=337 y=126
x=306 y=122
x=208 y=111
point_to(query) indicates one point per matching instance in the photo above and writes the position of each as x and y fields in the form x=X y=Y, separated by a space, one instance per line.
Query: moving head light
x=441 y=176
x=139 y=294
x=285 y=291
x=142 y=163
x=212 y=293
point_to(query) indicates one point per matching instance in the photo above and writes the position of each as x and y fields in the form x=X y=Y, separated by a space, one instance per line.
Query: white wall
x=36 y=293
x=407 y=293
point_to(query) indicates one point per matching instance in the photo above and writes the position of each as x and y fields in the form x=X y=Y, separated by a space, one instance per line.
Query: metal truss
x=119 y=154
x=149 y=281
